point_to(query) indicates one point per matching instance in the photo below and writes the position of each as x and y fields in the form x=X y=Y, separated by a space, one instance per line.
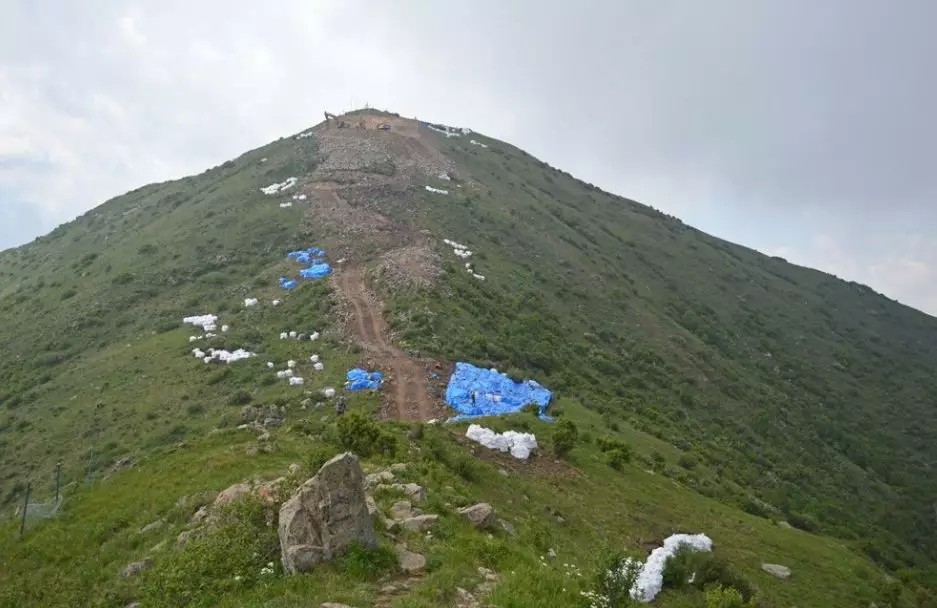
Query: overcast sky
x=800 y=128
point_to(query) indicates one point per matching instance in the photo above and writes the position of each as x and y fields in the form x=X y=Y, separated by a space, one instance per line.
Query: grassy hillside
x=755 y=391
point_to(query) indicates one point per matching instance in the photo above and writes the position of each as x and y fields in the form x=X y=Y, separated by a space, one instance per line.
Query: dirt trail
x=406 y=377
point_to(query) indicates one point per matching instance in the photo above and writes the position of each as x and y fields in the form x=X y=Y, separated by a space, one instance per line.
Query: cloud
x=710 y=111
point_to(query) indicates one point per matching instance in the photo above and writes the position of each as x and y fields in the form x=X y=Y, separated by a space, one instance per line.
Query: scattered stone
x=334 y=605
x=294 y=468
x=375 y=479
x=503 y=473
x=409 y=561
x=231 y=494
x=398 y=468
x=464 y=599
x=156 y=525
x=272 y=423
x=388 y=589
x=420 y=523
x=133 y=605
x=560 y=520
x=265 y=436
x=187 y=535
x=488 y=575
x=508 y=527
x=784 y=524
x=252 y=450
x=401 y=510
x=199 y=516
x=482 y=516
x=137 y=567
x=416 y=492
x=325 y=515
x=551 y=553
x=324 y=419
x=777 y=570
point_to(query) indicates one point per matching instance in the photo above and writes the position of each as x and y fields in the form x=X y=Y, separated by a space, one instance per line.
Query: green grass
x=75 y=559
x=741 y=390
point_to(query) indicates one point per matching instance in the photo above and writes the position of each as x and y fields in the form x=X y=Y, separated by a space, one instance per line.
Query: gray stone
x=410 y=562
x=187 y=535
x=508 y=527
x=420 y=523
x=137 y=567
x=325 y=515
x=503 y=473
x=334 y=605
x=401 y=510
x=294 y=468
x=265 y=436
x=777 y=570
x=415 y=492
x=482 y=516
x=786 y=525
x=151 y=527
x=375 y=479
x=272 y=423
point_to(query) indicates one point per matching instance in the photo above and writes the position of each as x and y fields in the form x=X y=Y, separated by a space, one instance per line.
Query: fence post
x=58 y=471
x=25 y=509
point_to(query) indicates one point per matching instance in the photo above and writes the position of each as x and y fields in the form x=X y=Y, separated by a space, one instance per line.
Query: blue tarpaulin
x=359 y=380
x=313 y=255
x=494 y=393
x=316 y=271
x=316 y=268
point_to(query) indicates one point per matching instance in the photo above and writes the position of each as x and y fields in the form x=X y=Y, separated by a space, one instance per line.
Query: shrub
x=613 y=578
x=726 y=597
x=617 y=458
x=700 y=569
x=531 y=408
x=240 y=398
x=565 y=437
x=368 y=564
x=688 y=461
x=363 y=436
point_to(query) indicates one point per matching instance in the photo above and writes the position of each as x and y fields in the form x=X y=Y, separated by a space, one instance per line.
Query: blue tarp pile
x=494 y=393
x=360 y=380
x=317 y=266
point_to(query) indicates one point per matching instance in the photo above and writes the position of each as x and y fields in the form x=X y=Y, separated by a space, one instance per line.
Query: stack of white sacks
x=518 y=444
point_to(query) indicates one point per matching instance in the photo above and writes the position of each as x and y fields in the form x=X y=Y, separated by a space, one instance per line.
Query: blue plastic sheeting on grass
x=287 y=283
x=360 y=380
x=316 y=271
x=306 y=256
x=495 y=395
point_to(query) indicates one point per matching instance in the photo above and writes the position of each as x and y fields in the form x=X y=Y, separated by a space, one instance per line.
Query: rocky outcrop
x=410 y=562
x=136 y=567
x=482 y=516
x=325 y=515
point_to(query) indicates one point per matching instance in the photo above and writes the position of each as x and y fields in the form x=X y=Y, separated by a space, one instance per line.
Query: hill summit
x=164 y=345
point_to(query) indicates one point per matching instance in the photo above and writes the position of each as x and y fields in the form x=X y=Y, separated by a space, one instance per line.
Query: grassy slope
x=659 y=330
x=798 y=389
x=601 y=508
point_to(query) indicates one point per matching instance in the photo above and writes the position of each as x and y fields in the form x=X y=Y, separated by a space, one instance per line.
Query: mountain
x=747 y=391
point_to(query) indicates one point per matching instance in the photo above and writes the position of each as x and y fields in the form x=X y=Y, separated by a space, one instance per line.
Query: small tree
x=565 y=437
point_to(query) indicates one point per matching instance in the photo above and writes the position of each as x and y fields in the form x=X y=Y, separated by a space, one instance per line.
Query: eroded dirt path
x=404 y=377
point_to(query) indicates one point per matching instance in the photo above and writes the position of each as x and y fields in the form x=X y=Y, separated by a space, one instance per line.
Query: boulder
x=294 y=468
x=415 y=492
x=482 y=516
x=325 y=515
x=136 y=567
x=420 y=523
x=400 y=510
x=410 y=562
x=777 y=570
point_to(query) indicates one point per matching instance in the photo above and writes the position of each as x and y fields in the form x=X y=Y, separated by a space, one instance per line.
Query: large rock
x=420 y=523
x=777 y=570
x=410 y=562
x=481 y=516
x=325 y=515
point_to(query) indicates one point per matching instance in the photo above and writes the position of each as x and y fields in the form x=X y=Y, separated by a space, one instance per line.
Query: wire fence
x=32 y=512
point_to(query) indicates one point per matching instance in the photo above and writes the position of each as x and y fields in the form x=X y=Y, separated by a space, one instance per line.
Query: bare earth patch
x=414 y=267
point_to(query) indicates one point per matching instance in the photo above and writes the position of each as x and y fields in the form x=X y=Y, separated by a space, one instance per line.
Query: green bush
x=364 y=437
x=726 y=597
x=612 y=580
x=368 y=564
x=565 y=437
x=240 y=398
x=617 y=458
x=701 y=569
